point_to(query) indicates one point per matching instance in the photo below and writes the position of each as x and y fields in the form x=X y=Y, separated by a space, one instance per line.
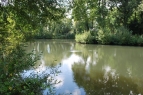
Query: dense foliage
x=11 y=66
x=60 y=29
x=121 y=36
x=114 y=21
x=19 y=21
x=12 y=70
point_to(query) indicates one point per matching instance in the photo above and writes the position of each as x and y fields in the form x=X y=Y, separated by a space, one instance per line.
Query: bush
x=43 y=36
x=139 y=40
x=106 y=37
x=86 y=37
x=12 y=64
x=121 y=36
x=124 y=36
x=64 y=36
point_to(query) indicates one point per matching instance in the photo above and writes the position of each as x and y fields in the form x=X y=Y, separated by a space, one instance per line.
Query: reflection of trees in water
x=126 y=60
x=104 y=83
x=87 y=53
x=123 y=59
x=53 y=51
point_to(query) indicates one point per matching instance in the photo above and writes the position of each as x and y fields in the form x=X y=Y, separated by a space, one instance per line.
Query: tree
x=80 y=12
x=125 y=9
x=28 y=16
x=89 y=12
x=136 y=20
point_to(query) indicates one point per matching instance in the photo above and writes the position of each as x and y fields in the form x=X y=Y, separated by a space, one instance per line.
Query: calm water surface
x=92 y=69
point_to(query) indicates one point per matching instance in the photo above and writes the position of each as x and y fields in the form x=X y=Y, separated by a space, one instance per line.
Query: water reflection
x=92 y=69
x=104 y=82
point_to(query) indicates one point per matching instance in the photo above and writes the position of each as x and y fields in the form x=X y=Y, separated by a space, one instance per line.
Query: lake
x=87 y=69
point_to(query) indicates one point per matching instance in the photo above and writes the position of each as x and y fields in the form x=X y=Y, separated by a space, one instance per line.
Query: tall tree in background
x=136 y=20
x=26 y=16
x=90 y=12
x=125 y=9
x=80 y=12
x=109 y=14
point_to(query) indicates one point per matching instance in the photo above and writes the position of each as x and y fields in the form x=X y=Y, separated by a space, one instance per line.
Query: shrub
x=127 y=38
x=12 y=64
x=64 y=36
x=43 y=36
x=124 y=36
x=106 y=37
x=100 y=37
x=85 y=38
x=139 y=40
x=121 y=36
